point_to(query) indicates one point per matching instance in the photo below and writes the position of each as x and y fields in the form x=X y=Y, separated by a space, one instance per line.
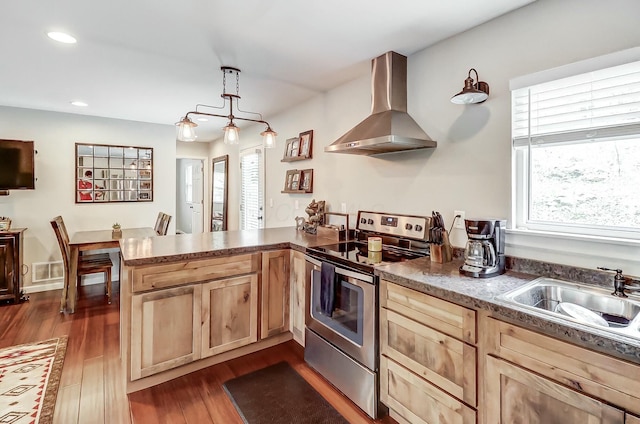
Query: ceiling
x=152 y=61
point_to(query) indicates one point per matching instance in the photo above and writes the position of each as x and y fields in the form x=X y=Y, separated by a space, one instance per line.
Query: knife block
x=441 y=253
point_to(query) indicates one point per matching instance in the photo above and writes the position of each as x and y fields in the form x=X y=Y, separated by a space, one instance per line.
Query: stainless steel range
x=341 y=339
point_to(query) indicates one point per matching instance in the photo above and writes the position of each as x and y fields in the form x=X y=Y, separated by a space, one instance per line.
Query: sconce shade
x=473 y=92
x=269 y=138
x=231 y=134
x=186 y=130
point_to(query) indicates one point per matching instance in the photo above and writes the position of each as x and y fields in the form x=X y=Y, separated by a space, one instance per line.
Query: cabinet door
x=515 y=395
x=298 y=295
x=7 y=252
x=275 y=293
x=632 y=419
x=229 y=314
x=165 y=330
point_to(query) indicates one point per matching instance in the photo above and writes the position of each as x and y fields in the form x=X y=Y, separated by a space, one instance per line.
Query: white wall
x=55 y=135
x=470 y=169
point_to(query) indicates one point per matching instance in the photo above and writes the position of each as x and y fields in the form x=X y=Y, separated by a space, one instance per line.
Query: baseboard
x=57 y=285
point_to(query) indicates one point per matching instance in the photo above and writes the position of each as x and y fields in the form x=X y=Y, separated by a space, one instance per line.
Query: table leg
x=73 y=278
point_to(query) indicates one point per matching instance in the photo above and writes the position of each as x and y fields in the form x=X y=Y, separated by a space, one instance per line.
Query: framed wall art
x=299 y=148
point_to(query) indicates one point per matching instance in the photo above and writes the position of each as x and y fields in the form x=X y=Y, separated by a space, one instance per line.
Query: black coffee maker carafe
x=484 y=253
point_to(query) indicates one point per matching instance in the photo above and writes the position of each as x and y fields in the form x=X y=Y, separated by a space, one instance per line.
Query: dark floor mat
x=278 y=394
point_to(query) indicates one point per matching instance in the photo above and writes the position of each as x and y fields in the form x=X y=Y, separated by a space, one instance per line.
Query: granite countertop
x=445 y=281
x=179 y=247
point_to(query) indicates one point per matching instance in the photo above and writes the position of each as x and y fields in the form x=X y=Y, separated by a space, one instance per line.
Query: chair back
x=63 y=240
x=162 y=224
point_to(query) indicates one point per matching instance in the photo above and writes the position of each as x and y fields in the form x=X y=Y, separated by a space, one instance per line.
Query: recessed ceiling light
x=202 y=119
x=79 y=103
x=62 y=37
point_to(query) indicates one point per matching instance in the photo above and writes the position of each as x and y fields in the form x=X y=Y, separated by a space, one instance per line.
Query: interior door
x=189 y=196
x=252 y=188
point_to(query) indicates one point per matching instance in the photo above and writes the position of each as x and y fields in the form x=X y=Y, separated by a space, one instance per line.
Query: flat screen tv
x=16 y=165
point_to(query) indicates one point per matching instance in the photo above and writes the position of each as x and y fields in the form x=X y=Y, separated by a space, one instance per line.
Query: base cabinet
x=298 y=295
x=515 y=395
x=229 y=314
x=275 y=293
x=11 y=265
x=165 y=330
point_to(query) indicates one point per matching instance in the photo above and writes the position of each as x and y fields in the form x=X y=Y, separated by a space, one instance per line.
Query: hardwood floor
x=92 y=389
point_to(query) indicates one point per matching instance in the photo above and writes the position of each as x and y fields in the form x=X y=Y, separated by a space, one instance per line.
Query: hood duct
x=389 y=128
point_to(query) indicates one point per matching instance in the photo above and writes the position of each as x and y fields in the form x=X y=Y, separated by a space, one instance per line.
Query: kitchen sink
x=596 y=306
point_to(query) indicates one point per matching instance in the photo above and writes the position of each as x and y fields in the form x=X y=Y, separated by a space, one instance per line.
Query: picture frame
x=306 y=144
x=306 y=180
x=295 y=181
x=288 y=180
x=289 y=149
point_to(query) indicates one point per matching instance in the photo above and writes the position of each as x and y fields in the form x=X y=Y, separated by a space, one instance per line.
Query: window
x=251 y=189
x=576 y=147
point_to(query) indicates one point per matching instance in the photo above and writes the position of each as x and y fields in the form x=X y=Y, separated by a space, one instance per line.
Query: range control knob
x=363 y=220
x=370 y=221
x=408 y=226
x=418 y=227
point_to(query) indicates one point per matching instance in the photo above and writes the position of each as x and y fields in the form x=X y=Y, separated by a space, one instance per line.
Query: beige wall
x=55 y=135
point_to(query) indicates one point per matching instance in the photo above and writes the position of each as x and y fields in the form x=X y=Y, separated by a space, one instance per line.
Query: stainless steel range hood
x=389 y=128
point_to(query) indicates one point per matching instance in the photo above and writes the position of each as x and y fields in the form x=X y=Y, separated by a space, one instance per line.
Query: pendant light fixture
x=186 y=127
x=473 y=92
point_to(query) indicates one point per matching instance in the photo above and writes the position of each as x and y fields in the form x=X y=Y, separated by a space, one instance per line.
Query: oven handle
x=358 y=276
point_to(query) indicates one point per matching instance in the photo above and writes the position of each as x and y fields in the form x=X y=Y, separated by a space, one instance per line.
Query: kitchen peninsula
x=193 y=300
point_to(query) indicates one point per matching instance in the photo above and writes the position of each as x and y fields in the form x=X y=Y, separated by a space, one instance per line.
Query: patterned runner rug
x=29 y=378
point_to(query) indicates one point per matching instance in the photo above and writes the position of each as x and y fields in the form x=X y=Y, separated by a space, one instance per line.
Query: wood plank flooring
x=92 y=390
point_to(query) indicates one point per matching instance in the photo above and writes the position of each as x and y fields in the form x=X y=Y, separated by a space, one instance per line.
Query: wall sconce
x=472 y=92
x=187 y=128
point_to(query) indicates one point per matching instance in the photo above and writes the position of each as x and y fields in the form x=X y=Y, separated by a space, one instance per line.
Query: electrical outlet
x=459 y=222
x=296 y=205
x=271 y=202
x=343 y=207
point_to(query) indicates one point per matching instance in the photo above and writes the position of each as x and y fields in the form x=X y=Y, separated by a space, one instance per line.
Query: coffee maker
x=484 y=253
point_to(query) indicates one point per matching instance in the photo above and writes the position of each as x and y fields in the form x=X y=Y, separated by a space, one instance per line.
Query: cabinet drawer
x=456 y=321
x=167 y=275
x=417 y=400
x=443 y=360
x=602 y=376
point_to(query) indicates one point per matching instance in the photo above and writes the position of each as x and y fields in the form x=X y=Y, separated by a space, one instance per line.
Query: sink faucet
x=619 y=283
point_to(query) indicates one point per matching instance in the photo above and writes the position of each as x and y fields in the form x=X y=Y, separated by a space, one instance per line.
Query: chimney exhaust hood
x=389 y=128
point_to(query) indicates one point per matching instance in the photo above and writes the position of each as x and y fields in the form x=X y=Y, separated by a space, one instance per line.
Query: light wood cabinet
x=595 y=374
x=298 y=280
x=275 y=293
x=427 y=365
x=516 y=395
x=632 y=419
x=165 y=329
x=229 y=314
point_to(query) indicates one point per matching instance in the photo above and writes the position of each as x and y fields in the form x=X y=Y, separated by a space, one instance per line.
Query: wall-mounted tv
x=17 y=165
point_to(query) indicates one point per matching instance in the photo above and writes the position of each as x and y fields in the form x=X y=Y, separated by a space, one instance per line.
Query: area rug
x=278 y=394
x=29 y=379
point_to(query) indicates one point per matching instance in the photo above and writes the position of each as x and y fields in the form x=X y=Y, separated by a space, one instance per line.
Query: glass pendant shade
x=231 y=134
x=269 y=138
x=186 y=130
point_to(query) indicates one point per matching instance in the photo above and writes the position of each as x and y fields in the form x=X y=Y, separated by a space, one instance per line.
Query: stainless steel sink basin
x=622 y=315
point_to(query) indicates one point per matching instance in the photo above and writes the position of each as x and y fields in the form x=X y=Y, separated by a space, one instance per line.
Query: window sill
x=575 y=250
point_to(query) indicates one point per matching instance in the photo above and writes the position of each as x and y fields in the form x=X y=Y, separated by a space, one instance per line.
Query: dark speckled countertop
x=445 y=281
x=440 y=280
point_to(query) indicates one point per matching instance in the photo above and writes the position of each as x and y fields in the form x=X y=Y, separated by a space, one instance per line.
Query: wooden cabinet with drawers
x=275 y=293
x=428 y=357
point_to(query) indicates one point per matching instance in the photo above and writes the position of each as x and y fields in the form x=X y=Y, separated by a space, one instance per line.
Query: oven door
x=352 y=326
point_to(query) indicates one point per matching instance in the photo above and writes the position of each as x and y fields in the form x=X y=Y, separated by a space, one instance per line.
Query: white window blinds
x=594 y=105
x=251 y=190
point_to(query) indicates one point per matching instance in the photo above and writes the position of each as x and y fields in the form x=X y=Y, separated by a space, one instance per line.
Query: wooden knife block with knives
x=441 y=251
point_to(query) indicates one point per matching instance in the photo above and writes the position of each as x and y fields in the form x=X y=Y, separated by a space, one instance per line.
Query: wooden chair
x=87 y=264
x=162 y=224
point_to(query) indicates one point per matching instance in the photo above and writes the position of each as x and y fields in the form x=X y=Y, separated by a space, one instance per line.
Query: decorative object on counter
x=106 y=173
x=484 y=254
x=297 y=181
x=440 y=250
x=473 y=92
x=339 y=233
x=5 y=223
x=116 y=230
x=374 y=244
x=299 y=148
x=186 y=127
x=315 y=210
